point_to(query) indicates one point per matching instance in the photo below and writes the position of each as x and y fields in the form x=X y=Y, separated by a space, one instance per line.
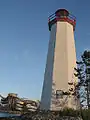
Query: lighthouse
x=58 y=90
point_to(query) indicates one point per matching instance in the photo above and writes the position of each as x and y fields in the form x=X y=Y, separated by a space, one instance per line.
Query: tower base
x=67 y=101
x=64 y=99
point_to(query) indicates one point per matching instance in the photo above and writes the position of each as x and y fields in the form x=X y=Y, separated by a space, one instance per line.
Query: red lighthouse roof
x=63 y=12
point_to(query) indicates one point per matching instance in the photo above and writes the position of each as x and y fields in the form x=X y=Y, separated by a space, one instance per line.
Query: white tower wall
x=48 y=76
x=61 y=61
x=64 y=56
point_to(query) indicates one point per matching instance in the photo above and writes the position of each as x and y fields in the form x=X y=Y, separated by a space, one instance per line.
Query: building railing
x=54 y=16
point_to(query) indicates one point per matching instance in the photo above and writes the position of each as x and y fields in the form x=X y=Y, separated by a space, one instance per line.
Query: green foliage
x=85 y=114
x=69 y=112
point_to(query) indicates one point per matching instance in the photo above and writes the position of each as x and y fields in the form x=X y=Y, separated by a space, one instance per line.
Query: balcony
x=61 y=15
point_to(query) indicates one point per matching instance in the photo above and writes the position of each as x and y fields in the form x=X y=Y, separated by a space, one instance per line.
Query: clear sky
x=24 y=38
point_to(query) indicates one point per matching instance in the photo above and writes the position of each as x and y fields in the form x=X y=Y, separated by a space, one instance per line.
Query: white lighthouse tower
x=59 y=82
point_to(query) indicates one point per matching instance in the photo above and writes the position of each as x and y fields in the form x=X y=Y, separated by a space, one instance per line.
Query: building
x=13 y=103
x=59 y=81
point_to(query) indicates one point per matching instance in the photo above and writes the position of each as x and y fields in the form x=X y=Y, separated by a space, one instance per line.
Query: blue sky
x=24 y=38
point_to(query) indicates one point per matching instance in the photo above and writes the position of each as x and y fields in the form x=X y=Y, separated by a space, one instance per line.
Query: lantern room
x=61 y=15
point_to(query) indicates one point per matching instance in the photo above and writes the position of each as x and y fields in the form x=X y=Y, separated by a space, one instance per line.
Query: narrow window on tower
x=59 y=94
